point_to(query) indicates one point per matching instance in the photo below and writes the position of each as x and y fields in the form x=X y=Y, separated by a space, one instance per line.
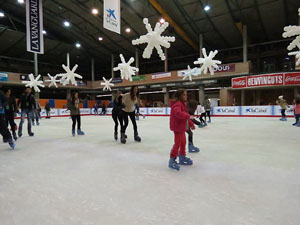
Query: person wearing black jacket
x=10 y=110
x=116 y=112
x=48 y=109
x=3 y=126
x=27 y=105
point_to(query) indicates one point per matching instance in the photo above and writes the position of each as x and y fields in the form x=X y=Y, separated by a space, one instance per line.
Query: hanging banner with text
x=112 y=15
x=34 y=26
x=278 y=79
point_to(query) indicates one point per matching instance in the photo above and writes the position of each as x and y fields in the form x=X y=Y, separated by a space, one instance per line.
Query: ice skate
x=137 y=138
x=123 y=138
x=73 y=132
x=11 y=144
x=116 y=136
x=192 y=148
x=183 y=160
x=173 y=164
x=79 y=132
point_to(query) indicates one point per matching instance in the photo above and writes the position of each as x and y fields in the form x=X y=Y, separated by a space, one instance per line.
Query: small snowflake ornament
x=52 y=81
x=107 y=84
x=208 y=63
x=127 y=71
x=191 y=72
x=34 y=83
x=70 y=76
x=154 y=39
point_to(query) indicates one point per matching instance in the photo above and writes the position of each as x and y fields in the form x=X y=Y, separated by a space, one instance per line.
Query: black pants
x=117 y=119
x=3 y=128
x=124 y=123
x=190 y=135
x=283 y=113
x=207 y=114
x=74 y=119
x=47 y=114
x=10 y=119
x=201 y=117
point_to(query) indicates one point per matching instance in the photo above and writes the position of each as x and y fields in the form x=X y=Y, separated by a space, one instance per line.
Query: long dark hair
x=132 y=96
x=179 y=95
x=73 y=97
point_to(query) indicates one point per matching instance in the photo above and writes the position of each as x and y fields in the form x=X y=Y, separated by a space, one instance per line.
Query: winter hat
x=280 y=97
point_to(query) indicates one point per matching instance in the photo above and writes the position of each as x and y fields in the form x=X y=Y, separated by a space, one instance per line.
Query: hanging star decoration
x=127 y=71
x=208 y=63
x=70 y=76
x=191 y=72
x=154 y=39
x=34 y=83
x=107 y=84
x=291 y=31
x=52 y=81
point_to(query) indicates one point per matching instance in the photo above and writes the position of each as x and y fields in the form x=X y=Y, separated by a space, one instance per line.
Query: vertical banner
x=34 y=26
x=112 y=15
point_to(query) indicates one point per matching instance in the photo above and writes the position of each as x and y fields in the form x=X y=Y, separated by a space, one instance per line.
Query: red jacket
x=297 y=109
x=179 y=117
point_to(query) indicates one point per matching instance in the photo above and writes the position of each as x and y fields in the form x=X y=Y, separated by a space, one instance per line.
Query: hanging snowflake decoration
x=154 y=39
x=127 y=71
x=208 y=63
x=69 y=76
x=52 y=81
x=107 y=84
x=291 y=31
x=34 y=83
x=191 y=72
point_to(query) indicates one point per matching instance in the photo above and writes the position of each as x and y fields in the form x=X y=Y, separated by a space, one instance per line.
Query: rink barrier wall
x=222 y=111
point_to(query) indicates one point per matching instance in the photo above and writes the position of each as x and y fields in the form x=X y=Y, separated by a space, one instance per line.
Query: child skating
x=178 y=124
x=191 y=106
x=73 y=105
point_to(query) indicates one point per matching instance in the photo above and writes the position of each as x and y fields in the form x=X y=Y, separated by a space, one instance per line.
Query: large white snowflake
x=291 y=31
x=191 y=72
x=34 y=83
x=154 y=39
x=52 y=81
x=107 y=84
x=208 y=63
x=127 y=71
x=69 y=76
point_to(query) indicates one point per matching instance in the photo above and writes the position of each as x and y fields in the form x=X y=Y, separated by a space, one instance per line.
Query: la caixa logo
x=256 y=110
x=226 y=110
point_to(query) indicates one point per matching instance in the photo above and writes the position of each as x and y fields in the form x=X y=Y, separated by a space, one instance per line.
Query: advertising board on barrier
x=256 y=110
x=85 y=111
x=143 y=111
x=226 y=111
x=156 y=111
x=289 y=111
x=160 y=75
x=64 y=112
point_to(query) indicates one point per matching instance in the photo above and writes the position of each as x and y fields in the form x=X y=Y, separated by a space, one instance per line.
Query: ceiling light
x=94 y=11
x=66 y=23
x=44 y=32
x=21 y=1
x=100 y=38
x=128 y=30
x=207 y=8
x=2 y=14
x=162 y=20
x=78 y=45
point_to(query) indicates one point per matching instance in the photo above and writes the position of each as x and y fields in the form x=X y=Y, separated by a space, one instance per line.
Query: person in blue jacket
x=3 y=125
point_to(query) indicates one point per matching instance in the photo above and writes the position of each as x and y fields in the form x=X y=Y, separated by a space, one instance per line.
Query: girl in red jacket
x=179 y=120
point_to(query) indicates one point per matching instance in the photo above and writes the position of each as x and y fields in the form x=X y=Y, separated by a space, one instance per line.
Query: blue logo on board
x=111 y=13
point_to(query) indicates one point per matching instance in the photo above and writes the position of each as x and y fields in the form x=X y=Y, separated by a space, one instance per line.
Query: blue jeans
x=283 y=113
x=29 y=114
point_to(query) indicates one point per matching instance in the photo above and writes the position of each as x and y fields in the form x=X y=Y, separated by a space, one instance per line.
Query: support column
x=242 y=97
x=36 y=73
x=68 y=60
x=166 y=96
x=137 y=60
x=93 y=69
x=166 y=60
x=245 y=44
x=257 y=97
x=201 y=44
x=112 y=66
x=296 y=92
x=201 y=94
x=68 y=93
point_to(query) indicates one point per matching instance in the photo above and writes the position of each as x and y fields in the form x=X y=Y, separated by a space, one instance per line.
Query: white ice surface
x=247 y=173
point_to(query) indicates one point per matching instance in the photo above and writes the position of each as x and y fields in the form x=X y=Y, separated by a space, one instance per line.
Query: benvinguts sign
x=279 y=79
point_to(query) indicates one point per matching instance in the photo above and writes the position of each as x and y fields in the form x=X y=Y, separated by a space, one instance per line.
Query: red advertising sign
x=292 y=78
x=265 y=80
x=239 y=82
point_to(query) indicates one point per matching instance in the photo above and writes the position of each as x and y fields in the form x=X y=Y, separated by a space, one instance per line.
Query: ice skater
x=192 y=106
x=27 y=104
x=178 y=123
x=48 y=110
x=282 y=102
x=36 y=112
x=201 y=113
x=116 y=113
x=10 y=110
x=129 y=101
x=296 y=109
x=73 y=106
x=3 y=125
x=207 y=107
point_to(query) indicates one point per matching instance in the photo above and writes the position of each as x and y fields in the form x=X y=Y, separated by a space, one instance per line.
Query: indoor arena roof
x=220 y=26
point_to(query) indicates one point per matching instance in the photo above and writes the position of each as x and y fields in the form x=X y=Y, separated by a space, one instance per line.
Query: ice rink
x=247 y=173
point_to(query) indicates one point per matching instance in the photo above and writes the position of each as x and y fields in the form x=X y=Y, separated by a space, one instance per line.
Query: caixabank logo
x=111 y=17
x=227 y=110
x=157 y=111
x=256 y=110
